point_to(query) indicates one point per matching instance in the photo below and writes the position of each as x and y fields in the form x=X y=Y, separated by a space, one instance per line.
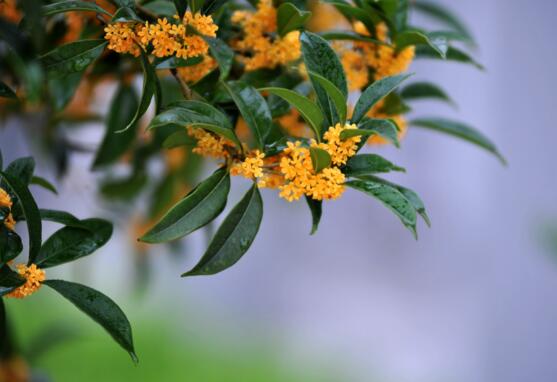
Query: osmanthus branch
x=186 y=91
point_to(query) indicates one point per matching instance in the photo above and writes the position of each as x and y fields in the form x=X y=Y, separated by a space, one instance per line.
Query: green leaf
x=9 y=280
x=63 y=217
x=6 y=91
x=453 y=54
x=30 y=211
x=179 y=138
x=73 y=57
x=320 y=159
x=355 y=13
x=126 y=15
x=124 y=3
x=290 y=18
x=321 y=59
x=198 y=208
x=10 y=242
x=364 y=164
x=22 y=169
x=151 y=88
x=222 y=53
x=459 y=130
x=385 y=128
x=181 y=6
x=62 y=89
x=391 y=198
x=42 y=182
x=253 y=108
x=195 y=5
x=316 y=209
x=100 y=308
x=374 y=93
x=175 y=62
x=339 y=99
x=71 y=243
x=71 y=6
x=161 y=8
x=234 y=236
x=423 y=90
x=122 y=111
x=211 y=6
x=307 y=108
x=409 y=38
x=442 y=14
x=186 y=113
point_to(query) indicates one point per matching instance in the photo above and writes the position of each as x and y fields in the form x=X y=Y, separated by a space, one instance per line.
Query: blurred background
x=470 y=301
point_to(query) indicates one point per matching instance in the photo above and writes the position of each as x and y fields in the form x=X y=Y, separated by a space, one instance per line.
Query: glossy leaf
x=151 y=88
x=72 y=243
x=321 y=59
x=175 y=62
x=6 y=91
x=42 y=182
x=185 y=113
x=181 y=6
x=197 y=209
x=374 y=93
x=195 y=5
x=320 y=159
x=72 y=6
x=409 y=38
x=290 y=18
x=122 y=111
x=179 y=138
x=30 y=211
x=459 y=130
x=364 y=164
x=391 y=198
x=10 y=243
x=253 y=108
x=453 y=54
x=316 y=209
x=161 y=8
x=442 y=14
x=385 y=128
x=22 y=169
x=126 y=15
x=100 y=308
x=339 y=99
x=9 y=280
x=64 y=218
x=307 y=108
x=234 y=237
x=222 y=53
x=73 y=57
x=424 y=90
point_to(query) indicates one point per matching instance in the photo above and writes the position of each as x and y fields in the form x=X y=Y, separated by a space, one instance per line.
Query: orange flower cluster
x=251 y=167
x=167 y=39
x=258 y=48
x=209 y=144
x=6 y=201
x=9 y=11
x=34 y=278
x=192 y=74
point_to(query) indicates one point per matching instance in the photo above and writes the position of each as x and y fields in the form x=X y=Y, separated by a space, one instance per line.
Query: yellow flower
x=340 y=150
x=258 y=48
x=6 y=201
x=251 y=167
x=202 y=24
x=121 y=38
x=34 y=278
x=209 y=144
x=192 y=74
x=357 y=73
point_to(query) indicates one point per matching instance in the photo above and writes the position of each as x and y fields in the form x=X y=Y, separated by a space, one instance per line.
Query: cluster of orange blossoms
x=6 y=202
x=192 y=74
x=210 y=145
x=34 y=278
x=167 y=39
x=258 y=48
x=9 y=11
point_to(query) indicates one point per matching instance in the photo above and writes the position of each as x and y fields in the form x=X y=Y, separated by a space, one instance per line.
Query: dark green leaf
x=179 y=138
x=459 y=130
x=126 y=15
x=391 y=198
x=253 y=108
x=316 y=209
x=453 y=54
x=442 y=14
x=42 y=182
x=71 y=6
x=185 y=113
x=10 y=243
x=62 y=89
x=374 y=93
x=175 y=62
x=73 y=57
x=385 y=128
x=6 y=91
x=211 y=6
x=195 y=5
x=30 y=211
x=151 y=87
x=71 y=243
x=321 y=59
x=422 y=90
x=364 y=164
x=222 y=53
x=308 y=110
x=197 y=209
x=161 y=8
x=181 y=6
x=290 y=18
x=436 y=42
x=22 y=169
x=100 y=308
x=339 y=99
x=320 y=159
x=9 y=280
x=62 y=217
x=124 y=3
x=122 y=110
x=234 y=236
